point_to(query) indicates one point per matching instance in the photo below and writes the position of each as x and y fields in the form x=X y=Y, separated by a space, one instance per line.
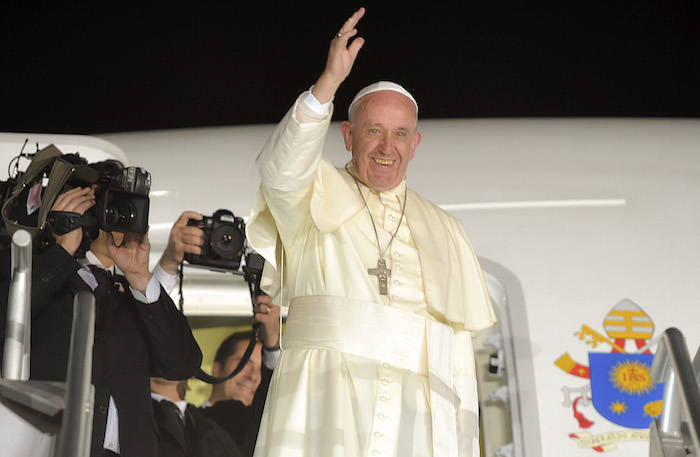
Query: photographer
x=236 y=404
x=139 y=332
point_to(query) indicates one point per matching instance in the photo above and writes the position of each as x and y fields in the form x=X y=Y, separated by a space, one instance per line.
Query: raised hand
x=267 y=314
x=183 y=239
x=131 y=256
x=77 y=200
x=341 y=59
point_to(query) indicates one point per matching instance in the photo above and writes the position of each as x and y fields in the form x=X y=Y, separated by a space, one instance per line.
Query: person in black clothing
x=237 y=404
x=139 y=332
x=183 y=431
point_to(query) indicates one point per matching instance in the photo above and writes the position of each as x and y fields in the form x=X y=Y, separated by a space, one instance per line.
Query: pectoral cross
x=382 y=273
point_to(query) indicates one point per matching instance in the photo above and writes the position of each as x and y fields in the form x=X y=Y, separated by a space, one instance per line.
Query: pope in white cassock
x=383 y=288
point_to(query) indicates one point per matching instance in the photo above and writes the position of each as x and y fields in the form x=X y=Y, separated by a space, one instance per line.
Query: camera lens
x=227 y=242
x=119 y=213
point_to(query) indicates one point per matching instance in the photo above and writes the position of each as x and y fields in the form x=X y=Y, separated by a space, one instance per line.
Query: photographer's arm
x=184 y=239
x=267 y=315
x=174 y=352
x=53 y=268
x=77 y=200
x=131 y=256
x=50 y=271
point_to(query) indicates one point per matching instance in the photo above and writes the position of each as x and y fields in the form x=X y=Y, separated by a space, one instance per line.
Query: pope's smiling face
x=382 y=136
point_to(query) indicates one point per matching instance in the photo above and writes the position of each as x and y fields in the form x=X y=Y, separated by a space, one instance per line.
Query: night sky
x=95 y=67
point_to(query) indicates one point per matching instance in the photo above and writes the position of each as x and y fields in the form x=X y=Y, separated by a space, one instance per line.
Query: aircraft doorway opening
x=507 y=400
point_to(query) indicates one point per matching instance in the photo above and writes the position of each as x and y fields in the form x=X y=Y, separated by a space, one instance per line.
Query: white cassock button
x=385 y=365
x=385 y=382
x=396 y=281
x=380 y=416
x=398 y=266
x=384 y=398
x=377 y=434
x=396 y=254
x=375 y=452
x=394 y=297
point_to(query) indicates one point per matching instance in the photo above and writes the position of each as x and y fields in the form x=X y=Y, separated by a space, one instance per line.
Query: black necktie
x=103 y=293
x=174 y=410
x=177 y=416
x=102 y=276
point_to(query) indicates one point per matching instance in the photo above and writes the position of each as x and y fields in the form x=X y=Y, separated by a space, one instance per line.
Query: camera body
x=122 y=202
x=224 y=241
x=121 y=194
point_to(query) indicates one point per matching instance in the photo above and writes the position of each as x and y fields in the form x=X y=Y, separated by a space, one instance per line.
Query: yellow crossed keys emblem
x=593 y=338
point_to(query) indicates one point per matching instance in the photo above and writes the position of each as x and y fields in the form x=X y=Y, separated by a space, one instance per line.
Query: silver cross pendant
x=382 y=273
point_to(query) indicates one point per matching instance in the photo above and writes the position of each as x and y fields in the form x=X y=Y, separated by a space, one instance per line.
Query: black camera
x=122 y=199
x=121 y=195
x=224 y=241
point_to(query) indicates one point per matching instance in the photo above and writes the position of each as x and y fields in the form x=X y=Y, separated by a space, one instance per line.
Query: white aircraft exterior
x=587 y=229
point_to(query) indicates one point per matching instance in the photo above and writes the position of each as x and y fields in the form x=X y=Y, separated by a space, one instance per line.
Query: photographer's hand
x=131 y=256
x=77 y=200
x=183 y=239
x=267 y=315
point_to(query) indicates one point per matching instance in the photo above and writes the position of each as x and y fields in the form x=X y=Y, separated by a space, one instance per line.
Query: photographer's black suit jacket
x=133 y=341
x=200 y=437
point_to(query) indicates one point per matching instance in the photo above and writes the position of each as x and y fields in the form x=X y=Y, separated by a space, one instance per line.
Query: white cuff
x=270 y=357
x=152 y=292
x=312 y=103
x=166 y=280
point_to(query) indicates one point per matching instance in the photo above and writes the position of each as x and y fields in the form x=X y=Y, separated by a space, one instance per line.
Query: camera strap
x=253 y=281
x=59 y=174
x=209 y=379
x=62 y=222
x=61 y=171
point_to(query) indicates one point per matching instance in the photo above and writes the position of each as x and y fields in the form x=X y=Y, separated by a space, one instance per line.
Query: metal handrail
x=74 y=438
x=76 y=424
x=680 y=420
x=15 y=364
x=696 y=366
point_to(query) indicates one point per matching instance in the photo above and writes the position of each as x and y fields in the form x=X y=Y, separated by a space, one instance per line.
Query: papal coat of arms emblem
x=620 y=389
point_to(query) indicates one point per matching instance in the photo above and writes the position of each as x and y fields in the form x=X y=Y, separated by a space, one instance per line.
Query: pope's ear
x=416 y=141
x=216 y=370
x=346 y=129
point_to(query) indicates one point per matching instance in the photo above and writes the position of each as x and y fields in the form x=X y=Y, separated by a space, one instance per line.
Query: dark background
x=74 y=67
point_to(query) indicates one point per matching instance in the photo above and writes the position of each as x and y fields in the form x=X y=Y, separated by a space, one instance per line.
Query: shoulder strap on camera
x=61 y=170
